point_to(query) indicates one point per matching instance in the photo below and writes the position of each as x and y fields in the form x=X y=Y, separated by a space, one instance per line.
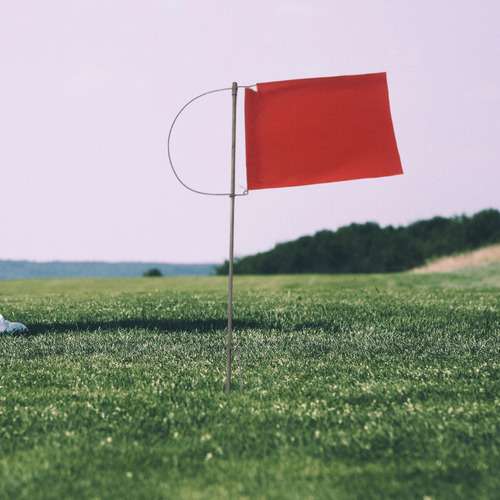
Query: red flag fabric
x=318 y=130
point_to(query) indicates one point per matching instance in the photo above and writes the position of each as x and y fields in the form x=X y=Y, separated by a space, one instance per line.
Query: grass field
x=354 y=387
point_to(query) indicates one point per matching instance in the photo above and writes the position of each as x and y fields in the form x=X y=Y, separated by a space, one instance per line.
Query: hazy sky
x=89 y=88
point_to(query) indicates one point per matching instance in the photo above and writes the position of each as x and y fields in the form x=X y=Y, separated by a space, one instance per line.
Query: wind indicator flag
x=318 y=130
x=310 y=131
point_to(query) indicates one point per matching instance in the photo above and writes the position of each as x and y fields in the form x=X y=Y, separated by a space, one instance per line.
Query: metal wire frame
x=245 y=192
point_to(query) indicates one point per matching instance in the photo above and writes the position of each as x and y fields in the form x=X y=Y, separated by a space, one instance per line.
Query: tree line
x=369 y=248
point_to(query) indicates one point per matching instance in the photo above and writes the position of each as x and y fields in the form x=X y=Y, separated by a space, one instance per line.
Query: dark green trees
x=368 y=248
x=152 y=273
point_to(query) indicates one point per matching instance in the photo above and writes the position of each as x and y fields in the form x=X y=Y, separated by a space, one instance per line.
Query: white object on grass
x=11 y=327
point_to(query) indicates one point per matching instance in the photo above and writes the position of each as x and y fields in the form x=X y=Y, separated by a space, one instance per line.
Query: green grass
x=354 y=387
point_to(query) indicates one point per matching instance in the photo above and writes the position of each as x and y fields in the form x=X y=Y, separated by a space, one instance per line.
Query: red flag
x=318 y=130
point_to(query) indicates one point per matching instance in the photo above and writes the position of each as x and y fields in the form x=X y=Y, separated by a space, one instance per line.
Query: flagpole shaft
x=231 y=242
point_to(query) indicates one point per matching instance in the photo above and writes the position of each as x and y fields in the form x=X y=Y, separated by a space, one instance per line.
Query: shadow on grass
x=176 y=326
x=155 y=326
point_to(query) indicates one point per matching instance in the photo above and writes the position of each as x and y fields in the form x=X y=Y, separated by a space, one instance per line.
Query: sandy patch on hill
x=469 y=259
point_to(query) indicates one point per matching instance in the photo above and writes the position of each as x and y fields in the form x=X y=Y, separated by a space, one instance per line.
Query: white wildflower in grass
x=209 y=456
x=108 y=440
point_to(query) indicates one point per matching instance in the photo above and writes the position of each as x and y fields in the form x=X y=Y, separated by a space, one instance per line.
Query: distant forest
x=368 y=248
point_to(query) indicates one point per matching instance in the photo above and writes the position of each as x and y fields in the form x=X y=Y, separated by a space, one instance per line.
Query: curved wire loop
x=245 y=192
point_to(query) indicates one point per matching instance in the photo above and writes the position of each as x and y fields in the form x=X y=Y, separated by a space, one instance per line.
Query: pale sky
x=89 y=89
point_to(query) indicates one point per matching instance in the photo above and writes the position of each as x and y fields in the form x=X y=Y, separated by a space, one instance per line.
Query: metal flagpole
x=232 y=197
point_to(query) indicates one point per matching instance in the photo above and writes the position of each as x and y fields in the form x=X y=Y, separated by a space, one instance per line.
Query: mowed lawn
x=354 y=387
